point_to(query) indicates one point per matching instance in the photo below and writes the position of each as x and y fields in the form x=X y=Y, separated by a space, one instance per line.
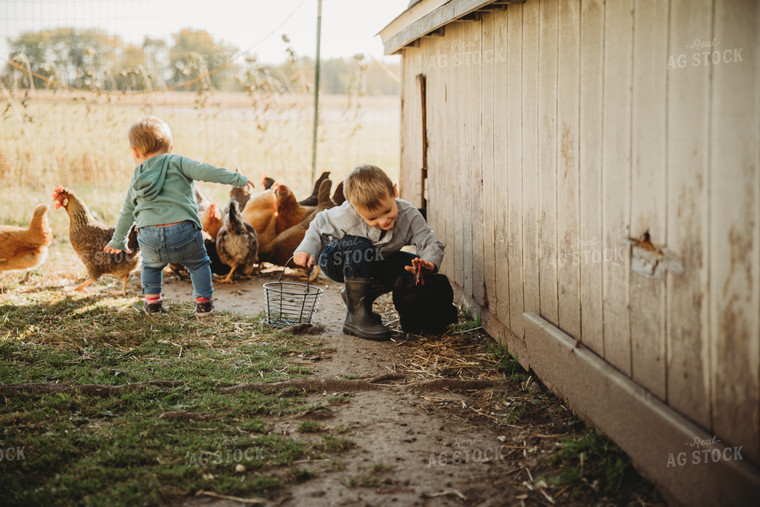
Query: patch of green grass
x=592 y=456
x=378 y=468
x=466 y=321
x=300 y=474
x=506 y=363
x=350 y=376
x=515 y=412
x=338 y=399
x=122 y=450
x=362 y=481
x=311 y=427
x=332 y=443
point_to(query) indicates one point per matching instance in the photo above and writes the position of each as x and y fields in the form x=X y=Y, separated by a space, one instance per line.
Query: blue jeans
x=364 y=260
x=179 y=244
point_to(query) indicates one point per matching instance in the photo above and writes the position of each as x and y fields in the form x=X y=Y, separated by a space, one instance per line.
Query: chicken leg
x=229 y=275
x=83 y=286
x=124 y=286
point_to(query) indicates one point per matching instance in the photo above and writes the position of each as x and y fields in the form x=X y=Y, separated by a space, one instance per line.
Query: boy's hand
x=303 y=259
x=110 y=250
x=417 y=262
x=249 y=186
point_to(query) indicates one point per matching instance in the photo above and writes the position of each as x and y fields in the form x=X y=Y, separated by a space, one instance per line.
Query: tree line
x=94 y=60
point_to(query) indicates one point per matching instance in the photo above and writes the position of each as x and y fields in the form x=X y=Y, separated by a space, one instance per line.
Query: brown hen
x=22 y=248
x=282 y=248
x=212 y=220
x=89 y=237
x=261 y=213
x=289 y=212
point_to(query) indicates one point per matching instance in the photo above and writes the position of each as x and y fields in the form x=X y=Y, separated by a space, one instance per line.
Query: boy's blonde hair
x=150 y=135
x=366 y=186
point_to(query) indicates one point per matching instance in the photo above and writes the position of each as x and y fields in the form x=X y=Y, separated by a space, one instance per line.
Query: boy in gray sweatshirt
x=360 y=243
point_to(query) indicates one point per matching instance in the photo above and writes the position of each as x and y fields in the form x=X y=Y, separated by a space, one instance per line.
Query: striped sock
x=153 y=299
x=202 y=300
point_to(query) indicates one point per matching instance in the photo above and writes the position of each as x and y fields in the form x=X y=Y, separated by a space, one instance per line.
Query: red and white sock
x=202 y=300
x=153 y=299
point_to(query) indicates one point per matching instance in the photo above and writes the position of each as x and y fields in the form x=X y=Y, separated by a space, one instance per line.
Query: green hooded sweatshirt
x=161 y=192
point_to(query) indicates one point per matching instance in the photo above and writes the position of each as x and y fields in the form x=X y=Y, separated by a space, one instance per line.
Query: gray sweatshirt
x=410 y=229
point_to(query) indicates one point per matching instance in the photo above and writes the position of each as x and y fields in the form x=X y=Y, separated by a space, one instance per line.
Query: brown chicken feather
x=338 y=198
x=289 y=212
x=284 y=245
x=25 y=248
x=261 y=213
x=313 y=199
x=212 y=220
x=89 y=237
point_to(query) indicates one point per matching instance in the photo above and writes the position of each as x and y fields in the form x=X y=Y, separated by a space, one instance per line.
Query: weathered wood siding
x=560 y=132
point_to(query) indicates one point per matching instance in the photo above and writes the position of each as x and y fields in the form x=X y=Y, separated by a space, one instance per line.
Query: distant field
x=51 y=139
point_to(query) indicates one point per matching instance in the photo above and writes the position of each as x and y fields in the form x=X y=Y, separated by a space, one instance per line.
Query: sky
x=348 y=26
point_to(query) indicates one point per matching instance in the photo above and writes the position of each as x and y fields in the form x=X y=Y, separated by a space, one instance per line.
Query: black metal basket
x=290 y=303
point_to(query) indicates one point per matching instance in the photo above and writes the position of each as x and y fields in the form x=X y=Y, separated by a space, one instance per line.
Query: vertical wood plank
x=457 y=141
x=568 y=212
x=734 y=241
x=648 y=190
x=466 y=101
x=464 y=227
x=444 y=132
x=491 y=181
x=616 y=163
x=591 y=138
x=547 y=160
x=688 y=360
x=452 y=169
x=431 y=183
x=501 y=152
x=474 y=148
x=530 y=155
x=513 y=78
x=438 y=136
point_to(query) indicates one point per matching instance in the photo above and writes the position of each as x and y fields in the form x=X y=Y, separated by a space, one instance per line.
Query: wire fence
x=69 y=92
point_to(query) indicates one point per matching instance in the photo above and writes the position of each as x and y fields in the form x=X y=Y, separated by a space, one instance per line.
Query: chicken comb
x=57 y=192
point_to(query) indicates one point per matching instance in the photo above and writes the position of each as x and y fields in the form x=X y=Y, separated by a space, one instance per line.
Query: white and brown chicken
x=237 y=243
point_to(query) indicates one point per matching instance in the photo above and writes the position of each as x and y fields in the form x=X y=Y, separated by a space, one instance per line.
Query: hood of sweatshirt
x=150 y=177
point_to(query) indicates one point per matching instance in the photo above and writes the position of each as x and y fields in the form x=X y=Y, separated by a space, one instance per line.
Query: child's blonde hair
x=150 y=135
x=366 y=186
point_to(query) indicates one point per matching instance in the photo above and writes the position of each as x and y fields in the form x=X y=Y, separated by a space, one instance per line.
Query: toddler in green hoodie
x=160 y=203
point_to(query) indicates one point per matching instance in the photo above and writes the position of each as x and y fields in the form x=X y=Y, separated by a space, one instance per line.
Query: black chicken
x=424 y=302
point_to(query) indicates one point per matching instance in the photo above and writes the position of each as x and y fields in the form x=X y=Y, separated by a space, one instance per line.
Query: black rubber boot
x=377 y=290
x=360 y=320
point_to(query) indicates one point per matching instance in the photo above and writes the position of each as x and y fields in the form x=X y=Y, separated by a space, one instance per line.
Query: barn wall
x=583 y=170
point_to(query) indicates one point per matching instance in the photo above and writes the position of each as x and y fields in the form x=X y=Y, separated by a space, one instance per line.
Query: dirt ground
x=444 y=447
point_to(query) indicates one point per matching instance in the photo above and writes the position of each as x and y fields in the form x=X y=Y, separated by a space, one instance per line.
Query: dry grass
x=80 y=141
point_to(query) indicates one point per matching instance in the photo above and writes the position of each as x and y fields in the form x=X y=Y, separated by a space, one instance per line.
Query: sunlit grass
x=81 y=448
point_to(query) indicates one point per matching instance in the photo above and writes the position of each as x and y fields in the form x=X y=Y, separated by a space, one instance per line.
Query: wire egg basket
x=290 y=303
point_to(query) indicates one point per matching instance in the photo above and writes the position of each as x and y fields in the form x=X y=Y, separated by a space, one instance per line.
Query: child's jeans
x=364 y=260
x=181 y=243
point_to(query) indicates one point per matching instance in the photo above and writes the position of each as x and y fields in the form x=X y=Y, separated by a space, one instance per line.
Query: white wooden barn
x=593 y=167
